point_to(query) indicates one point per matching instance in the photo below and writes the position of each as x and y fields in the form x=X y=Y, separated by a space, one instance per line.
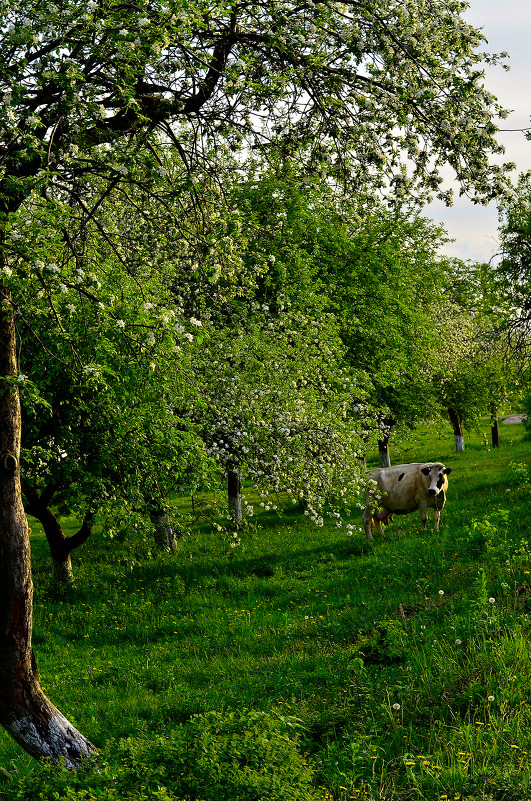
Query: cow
x=401 y=490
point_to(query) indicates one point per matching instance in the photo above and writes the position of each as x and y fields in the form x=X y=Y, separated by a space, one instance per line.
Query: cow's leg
x=439 y=503
x=368 y=521
x=423 y=509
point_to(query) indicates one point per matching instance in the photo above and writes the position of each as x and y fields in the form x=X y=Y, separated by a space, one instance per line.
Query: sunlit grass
x=388 y=652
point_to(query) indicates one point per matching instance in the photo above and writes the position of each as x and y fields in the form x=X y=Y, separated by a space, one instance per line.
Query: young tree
x=84 y=83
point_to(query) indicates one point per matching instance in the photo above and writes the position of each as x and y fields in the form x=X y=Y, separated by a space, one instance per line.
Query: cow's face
x=436 y=474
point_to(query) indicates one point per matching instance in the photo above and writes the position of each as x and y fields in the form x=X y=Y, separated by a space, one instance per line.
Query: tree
x=473 y=373
x=84 y=85
x=514 y=268
x=277 y=408
x=378 y=270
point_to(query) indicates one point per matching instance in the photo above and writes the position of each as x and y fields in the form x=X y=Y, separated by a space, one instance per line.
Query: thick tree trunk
x=234 y=489
x=25 y=712
x=457 y=425
x=384 y=458
x=495 y=431
x=385 y=425
x=164 y=533
x=61 y=546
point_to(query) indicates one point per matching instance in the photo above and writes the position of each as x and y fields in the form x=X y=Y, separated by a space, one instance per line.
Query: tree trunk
x=60 y=546
x=384 y=458
x=234 y=488
x=164 y=533
x=495 y=431
x=457 y=424
x=25 y=712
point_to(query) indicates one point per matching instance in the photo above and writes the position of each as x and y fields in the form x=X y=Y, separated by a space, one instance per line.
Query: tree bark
x=234 y=489
x=457 y=425
x=384 y=458
x=164 y=533
x=25 y=712
x=495 y=430
x=60 y=545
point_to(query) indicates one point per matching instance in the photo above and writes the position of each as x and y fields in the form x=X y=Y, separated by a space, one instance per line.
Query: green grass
x=319 y=634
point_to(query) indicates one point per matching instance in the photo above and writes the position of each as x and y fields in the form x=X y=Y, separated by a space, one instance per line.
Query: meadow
x=302 y=662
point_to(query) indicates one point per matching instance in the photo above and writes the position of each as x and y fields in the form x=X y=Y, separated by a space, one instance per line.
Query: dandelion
x=490 y=698
x=396 y=707
x=492 y=600
x=441 y=592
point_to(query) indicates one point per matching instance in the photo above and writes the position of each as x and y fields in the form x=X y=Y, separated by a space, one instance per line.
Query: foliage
x=513 y=269
x=357 y=89
x=376 y=270
x=473 y=372
x=233 y=756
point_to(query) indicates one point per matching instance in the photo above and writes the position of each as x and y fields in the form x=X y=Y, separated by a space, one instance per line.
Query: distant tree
x=514 y=268
x=377 y=271
x=278 y=409
x=473 y=373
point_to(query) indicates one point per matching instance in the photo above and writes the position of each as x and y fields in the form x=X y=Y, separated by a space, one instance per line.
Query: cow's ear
x=447 y=471
x=425 y=470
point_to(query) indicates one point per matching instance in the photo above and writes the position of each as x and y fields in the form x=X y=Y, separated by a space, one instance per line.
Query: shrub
x=234 y=756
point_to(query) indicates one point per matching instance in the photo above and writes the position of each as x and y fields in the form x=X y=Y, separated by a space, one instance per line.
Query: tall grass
x=304 y=662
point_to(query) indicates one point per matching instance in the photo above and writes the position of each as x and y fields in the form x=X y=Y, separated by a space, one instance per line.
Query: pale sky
x=507 y=26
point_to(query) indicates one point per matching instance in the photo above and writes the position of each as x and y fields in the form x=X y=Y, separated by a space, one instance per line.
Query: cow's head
x=436 y=473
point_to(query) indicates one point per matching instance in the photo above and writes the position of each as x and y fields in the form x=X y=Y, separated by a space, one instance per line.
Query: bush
x=236 y=756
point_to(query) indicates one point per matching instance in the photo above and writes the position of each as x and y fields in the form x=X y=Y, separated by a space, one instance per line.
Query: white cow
x=401 y=490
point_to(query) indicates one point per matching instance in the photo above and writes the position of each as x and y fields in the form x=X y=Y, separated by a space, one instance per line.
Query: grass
x=382 y=670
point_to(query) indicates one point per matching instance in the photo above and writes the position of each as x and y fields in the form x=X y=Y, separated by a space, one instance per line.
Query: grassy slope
x=314 y=623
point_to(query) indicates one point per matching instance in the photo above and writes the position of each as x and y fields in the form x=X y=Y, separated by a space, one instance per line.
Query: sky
x=507 y=26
